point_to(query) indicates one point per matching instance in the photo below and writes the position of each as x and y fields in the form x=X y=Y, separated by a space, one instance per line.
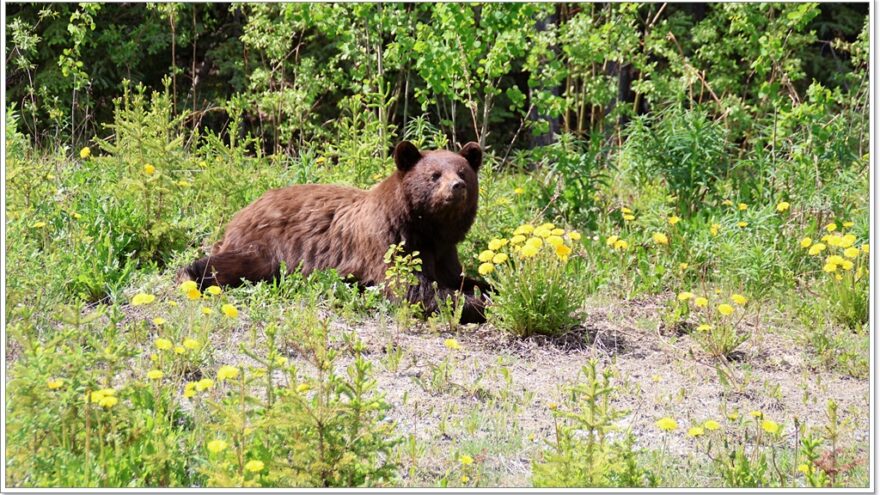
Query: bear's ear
x=406 y=155
x=473 y=154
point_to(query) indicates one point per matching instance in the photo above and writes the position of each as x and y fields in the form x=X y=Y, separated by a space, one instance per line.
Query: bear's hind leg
x=230 y=268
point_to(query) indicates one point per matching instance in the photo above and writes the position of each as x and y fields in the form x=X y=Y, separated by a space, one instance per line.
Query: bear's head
x=441 y=185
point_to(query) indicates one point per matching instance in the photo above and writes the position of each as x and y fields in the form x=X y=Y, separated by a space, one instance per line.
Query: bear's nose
x=458 y=184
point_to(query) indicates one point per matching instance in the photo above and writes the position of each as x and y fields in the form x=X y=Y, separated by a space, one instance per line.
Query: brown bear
x=429 y=203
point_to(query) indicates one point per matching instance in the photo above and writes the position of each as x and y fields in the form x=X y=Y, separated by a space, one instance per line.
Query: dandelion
x=542 y=232
x=142 y=298
x=557 y=231
x=189 y=390
x=674 y=220
x=149 y=169
x=159 y=321
x=829 y=268
x=783 y=206
x=705 y=327
x=847 y=240
x=701 y=302
x=518 y=191
x=831 y=227
x=629 y=218
x=555 y=240
x=770 y=426
x=851 y=252
x=727 y=202
x=733 y=415
x=303 y=388
x=191 y=344
x=684 y=296
x=804 y=468
x=528 y=251
x=524 y=229
x=695 y=431
x=548 y=226
x=666 y=424
x=625 y=210
x=214 y=290
x=54 y=383
x=683 y=266
x=227 y=372
x=217 y=446
x=108 y=402
x=204 y=384
x=155 y=375
x=711 y=425
x=496 y=244
x=163 y=344
x=193 y=294
x=85 y=153
x=499 y=258
x=517 y=239
x=816 y=248
x=206 y=310
x=452 y=344
x=465 y=478
x=847 y=265
x=562 y=251
x=574 y=235
x=535 y=242
x=552 y=406
x=611 y=240
x=280 y=361
x=229 y=310
x=660 y=238
x=39 y=225
x=848 y=224
x=742 y=225
x=178 y=349
x=188 y=286
x=739 y=299
x=486 y=256
x=725 y=309
x=254 y=466
x=756 y=414
x=621 y=245
x=833 y=241
x=183 y=183
x=486 y=268
x=466 y=460
x=806 y=242
x=865 y=248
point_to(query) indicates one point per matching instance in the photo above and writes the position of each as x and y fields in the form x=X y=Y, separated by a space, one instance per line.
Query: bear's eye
x=435 y=176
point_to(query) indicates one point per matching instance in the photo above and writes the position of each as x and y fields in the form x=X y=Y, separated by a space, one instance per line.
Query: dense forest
x=673 y=231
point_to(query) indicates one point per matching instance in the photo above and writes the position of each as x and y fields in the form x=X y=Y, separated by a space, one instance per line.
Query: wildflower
x=555 y=240
x=496 y=244
x=829 y=268
x=804 y=468
x=108 y=401
x=625 y=210
x=163 y=344
x=805 y=242
x=85 y=153
x=683 y=266
x=629 y=218
x=833 y=241
x=562 y=251
x=189 y=390
x=154 y=357
x=848 y=224
x=733 y=415
x=695 y=431
x=183 y=183
x=621 y=245
x=711 y=425
x=178 y=349
x=486 y=256
x=727 y=202
x=188 y=286
x=817 y=248
x=756 y=414
x=528 y=251
x=193 y=294
x=499 y=258
x=54 y=383
x=831 y=227
x=611 y=240
x=742 y=225
x=191 y=344
x=725 y=309
x=701 y=302
x=684 y=296
x=518 y=191
x=466 y=460
x=557 y=231
x=280 y=361
x=846 y=265
x=739 y=299
x=39 y=225
x=227 y=372
x=851 y=252
x=452 y=344
x=158 y=321
x=517 y=239
x=254 y=466
x=303 y=388
x=465 y=478
x=674 y=220
x=742 y=207
x=535 y=242
x=486 y=268
x=660 y=238
x=229 y=310
x=714 y=229
x=142 y=298
x=782 y=207
x=541 y=232
x=666 y=424
x=705 y=327
x=204 y=384
x=865 y=248
x=770 y=426
x=847 y=240
x=149 y=169
x=574 y=235
x=217 y=446
x=548 y=226
x=214 y=290
x=524 y=229
x=206 y=310
x=155 y=375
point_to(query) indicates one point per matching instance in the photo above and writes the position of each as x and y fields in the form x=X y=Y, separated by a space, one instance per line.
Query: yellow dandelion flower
x=674 y=220
x=769 y=426
x=816 y=248
x=783 y=206
x=705 y=327
x=254 y=466
x=847 y=265
x=229 y=310
x=524 y=229
x=303 y=388
x=85 y=153
x=804 y=468
x=108 y=402
x=452 y=344
x=280 y=361
x=517 y=239
x=739 y=299
x=851 y=252
x=528 y=251
x=742 y=225
x=866 y=249
x=711 y=425
x=188 y=286
x=574 y=235
x=465 y=478
x=848 y=224
x=733 y=415
x=557 y=231
x=217 y=446
x=541 y=232
x=227 y=372
x=727 y=202
x=179 y=349
x=466 y=460
x=621 y=245
x=535 y=242
x=214 y=290
x=499 y=258
x=629 y=218
x=496 y=244
x=486 y=256
x=701 y=302
x=486 y=268
x=563 y=251
x=183 y=183
x=159 y=321
x=163 y=344
x=54 y=383
x=193 y=294
x=847 y=240
x=204 y=384
x=714 y=229
x=829 y=268
x=189 y=390
x=149 y=169
x=625 y=210
x=155 y=375
x=831 y=227
x=742 y=207
x=683 y=266
x=611 y=240
x=660 y=238
x=518 y=191
x=684 y=296
x=666 y=424
x=555 y=240
x=755 y=413
x=695 y=431
x=548 y=226
x=832 y=240
x=725 y=309
x=806 y=242
x=206 y=310
x=140 y=299
x=191 y=344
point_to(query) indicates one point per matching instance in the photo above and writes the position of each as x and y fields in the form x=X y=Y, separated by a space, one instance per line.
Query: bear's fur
x=429 y=203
